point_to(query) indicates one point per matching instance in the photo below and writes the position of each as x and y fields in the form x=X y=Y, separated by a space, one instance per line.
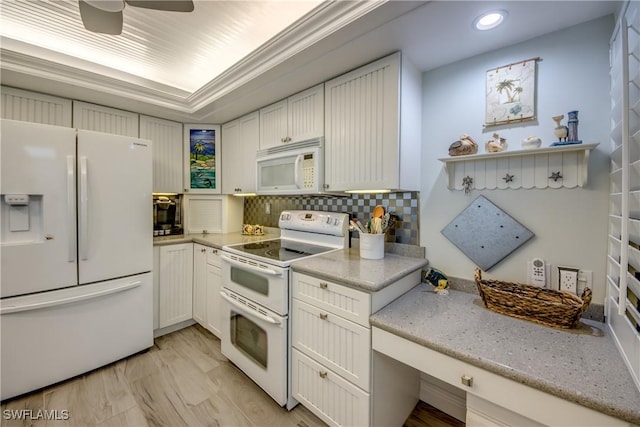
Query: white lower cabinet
x=206 y=287
x=175 y=284
x=331 y=340
x=325 y=393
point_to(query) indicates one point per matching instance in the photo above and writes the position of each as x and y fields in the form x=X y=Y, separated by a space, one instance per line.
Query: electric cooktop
x=280 y=250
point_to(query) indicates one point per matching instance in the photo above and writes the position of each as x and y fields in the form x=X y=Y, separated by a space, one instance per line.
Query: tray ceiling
x=182 y=51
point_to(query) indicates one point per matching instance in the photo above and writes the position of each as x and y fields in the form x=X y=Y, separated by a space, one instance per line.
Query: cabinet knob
x=467 y=380
x=214 y=251
x=323 y=374
x=203 y=250
x=323 y=316
x=326 y=185
x=323 y=285
x=186 y=190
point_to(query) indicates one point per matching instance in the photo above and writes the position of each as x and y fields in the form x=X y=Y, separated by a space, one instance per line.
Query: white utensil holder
x=371 y=246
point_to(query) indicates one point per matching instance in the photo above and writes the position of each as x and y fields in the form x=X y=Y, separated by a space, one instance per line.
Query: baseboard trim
x=450 y=400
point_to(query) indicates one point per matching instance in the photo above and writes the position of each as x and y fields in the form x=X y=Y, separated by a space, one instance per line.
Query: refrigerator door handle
x=68 y=300
x=83 y=226
x=71 y=209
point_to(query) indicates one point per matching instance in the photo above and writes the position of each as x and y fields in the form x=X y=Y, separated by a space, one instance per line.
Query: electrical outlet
x=568 y=279
x=267 y=208
x=585 y=280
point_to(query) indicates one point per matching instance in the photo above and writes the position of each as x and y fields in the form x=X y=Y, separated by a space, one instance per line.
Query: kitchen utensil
x=385 y=222
x=361 y=228
x=376 y=225
x=378 y=211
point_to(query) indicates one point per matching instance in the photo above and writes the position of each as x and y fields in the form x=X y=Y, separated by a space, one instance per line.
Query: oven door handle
x=250 y=267
x=244 y=309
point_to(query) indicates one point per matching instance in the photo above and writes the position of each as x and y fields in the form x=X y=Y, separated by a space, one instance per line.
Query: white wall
x=570 y=225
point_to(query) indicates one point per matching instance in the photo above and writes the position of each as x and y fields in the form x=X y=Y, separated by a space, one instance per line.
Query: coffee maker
x=167 y=214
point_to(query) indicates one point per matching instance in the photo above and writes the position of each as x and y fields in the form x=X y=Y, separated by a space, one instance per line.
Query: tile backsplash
x=404 y=205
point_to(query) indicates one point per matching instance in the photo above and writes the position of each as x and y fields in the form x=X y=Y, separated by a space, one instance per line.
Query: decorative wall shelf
x=548 y=167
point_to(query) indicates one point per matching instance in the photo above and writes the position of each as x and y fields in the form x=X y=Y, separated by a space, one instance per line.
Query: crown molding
x=29 y=60
x=310 y=29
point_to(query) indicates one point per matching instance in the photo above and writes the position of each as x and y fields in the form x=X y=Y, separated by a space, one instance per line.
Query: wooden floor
x=183 y=380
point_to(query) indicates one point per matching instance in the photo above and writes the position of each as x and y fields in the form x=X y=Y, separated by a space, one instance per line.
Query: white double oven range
x=256 y=279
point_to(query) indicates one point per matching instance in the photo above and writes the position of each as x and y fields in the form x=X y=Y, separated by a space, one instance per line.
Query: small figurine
x=466 y=145
x=572 y=123
x=439 y=280
x=560 y=131
x=496 y=145
x=531 y=142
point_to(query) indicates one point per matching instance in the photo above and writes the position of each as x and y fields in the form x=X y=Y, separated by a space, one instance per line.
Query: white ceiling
x=183 y=51
x=156 y=68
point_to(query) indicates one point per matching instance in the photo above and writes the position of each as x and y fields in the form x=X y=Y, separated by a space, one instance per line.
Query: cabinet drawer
x=334 y=400
x=349 y=303
x=339 y=344
x=213 y=257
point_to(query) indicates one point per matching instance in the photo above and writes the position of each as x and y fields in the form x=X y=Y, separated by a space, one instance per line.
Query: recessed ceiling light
x=489 y=20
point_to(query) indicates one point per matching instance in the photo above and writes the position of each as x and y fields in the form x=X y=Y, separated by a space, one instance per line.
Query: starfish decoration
x=508 y=178
x=467 y=181
x=555 y=176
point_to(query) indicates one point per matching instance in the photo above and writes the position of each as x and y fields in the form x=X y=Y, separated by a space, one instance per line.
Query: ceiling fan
x=105 y=16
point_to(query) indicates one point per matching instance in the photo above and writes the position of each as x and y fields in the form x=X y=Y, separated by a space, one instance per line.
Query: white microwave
x=295 y=168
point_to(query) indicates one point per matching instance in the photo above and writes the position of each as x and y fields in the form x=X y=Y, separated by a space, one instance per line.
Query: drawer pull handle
x=214 y=251
x=323 y=374
x=467 y=380
x=323 y=285
x=323 y=316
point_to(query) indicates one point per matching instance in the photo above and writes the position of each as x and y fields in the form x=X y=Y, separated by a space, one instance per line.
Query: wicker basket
x=558 y=309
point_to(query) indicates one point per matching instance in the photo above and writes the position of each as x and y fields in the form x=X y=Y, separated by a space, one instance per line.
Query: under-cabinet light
x=244 y=194
x=367 y=191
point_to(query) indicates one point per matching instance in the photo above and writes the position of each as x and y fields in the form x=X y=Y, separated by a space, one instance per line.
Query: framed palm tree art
x=202 y=155
x=510 y=95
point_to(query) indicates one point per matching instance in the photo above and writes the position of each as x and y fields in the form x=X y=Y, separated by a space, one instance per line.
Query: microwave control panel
x=308 y=171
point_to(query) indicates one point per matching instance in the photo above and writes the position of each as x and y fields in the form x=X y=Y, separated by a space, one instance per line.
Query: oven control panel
x=315 y=222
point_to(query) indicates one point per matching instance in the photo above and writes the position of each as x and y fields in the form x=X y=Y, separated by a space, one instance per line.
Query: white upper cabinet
x=297 y=118
x=240 y=139
x=166 y=137
x=372 y=129
x=104 y=119
x=35 y=107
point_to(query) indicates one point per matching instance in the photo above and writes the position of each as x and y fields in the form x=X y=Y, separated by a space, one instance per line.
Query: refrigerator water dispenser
x=21 y=218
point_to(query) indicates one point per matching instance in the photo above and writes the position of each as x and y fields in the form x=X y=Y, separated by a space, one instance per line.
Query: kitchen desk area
x=514 y=372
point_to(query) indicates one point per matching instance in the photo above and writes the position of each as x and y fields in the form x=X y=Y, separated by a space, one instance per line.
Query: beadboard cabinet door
x=297 y=118
x=363 y=110
x=35 y=107
x=214 y=286
x=240 y=138
x=167 y=153
x=200 y=283
x=104 y=119
x=176 y=284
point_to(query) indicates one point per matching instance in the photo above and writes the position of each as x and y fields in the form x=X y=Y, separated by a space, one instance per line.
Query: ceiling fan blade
x=166 y=5
x=107 y=5
x=99 y=21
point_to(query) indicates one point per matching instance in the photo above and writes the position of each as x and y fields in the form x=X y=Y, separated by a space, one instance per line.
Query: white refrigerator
x=76 y=252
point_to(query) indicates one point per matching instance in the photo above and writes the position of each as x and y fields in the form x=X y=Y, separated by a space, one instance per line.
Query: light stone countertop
x=346 y=266
x=215 y=240
x=581 y=365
